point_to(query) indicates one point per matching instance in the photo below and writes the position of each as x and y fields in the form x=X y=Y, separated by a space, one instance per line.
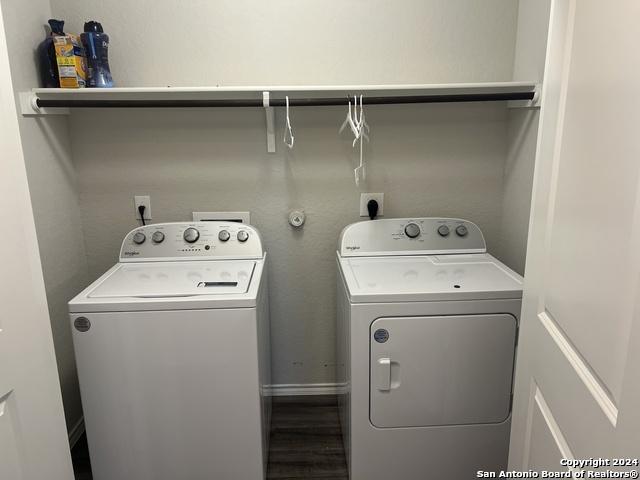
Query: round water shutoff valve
x=157 y=237
x=443 y=230
x=243 y=236
x=139 y=238
x=412 y=230
x=224 y=235
x=462 y=231
x=296 y=218
x=191 y=235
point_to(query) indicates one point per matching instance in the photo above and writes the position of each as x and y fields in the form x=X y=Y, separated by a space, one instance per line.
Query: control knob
x=157 y=237
x=191 y=235
x=462 y=231
x=243 y=236
x=139 y=238
x=443 y=230
x=412 y=230
x=224 y=235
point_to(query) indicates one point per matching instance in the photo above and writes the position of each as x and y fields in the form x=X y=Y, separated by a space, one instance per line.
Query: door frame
x=33 y=435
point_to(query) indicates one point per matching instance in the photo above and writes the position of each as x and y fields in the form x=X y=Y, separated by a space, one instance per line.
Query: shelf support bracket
x=532 y=104
x=30 y=108
x=270 y=115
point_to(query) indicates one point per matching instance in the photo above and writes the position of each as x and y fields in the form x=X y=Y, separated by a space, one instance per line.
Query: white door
x=577 y=391
x=33 y=439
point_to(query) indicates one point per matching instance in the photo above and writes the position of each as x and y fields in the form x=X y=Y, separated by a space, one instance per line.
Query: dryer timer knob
x=243 y=236
x=412 y=230
x=443 y=230
x=139 y=238
x=462 y=231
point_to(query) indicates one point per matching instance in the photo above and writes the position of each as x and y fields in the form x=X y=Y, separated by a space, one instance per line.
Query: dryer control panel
x=191 y=241
x=411 y=236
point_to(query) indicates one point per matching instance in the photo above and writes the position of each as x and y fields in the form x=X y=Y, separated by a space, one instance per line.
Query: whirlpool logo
x=353 y=247
x=131 y=254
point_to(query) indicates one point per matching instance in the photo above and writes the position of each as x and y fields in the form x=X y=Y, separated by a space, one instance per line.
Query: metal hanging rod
x=55 y=101
x=276 y=102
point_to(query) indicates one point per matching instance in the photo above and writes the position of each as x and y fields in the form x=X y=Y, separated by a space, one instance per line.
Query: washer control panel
x=191 y=241
x=411 y=236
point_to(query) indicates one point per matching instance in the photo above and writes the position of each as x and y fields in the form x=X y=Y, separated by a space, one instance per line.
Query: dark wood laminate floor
x=305 y=441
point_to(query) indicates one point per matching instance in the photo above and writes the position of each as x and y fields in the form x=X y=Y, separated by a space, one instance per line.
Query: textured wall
x=531 y=43
x=245 y=42
x=53 y=188
x=429 y=160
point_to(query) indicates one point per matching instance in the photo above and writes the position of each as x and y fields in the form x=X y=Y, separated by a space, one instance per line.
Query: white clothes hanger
x=363 y=122
x=288 y=139
x=359 y=127
x=347 y=119
x=351 y=119
x=361 y=171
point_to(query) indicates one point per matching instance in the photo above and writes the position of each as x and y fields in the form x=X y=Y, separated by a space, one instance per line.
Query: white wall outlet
x=142 y=200
x=364 y=199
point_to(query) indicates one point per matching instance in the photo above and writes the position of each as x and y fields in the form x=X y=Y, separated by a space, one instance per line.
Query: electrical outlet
x=142 y=200
x=364 y=199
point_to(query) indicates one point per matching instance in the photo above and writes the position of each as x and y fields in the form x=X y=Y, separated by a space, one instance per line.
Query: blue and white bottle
x=96 y=45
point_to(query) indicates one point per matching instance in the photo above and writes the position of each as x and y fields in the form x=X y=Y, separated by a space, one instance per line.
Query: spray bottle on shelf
x=96 y=44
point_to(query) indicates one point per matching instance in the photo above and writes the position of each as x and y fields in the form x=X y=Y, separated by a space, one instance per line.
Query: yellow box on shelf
x=72 y=65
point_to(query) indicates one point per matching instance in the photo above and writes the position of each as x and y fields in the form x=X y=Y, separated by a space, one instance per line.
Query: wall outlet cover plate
x=364 y=199
x=142 y=200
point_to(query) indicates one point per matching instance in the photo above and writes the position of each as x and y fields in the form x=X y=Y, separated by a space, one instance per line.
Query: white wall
x=53 y=188
x=244 y=42
x=448 y=160
x=429 y=160
x=530 y=54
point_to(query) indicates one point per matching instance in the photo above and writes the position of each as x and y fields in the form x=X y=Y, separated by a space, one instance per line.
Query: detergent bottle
x=96 y=44
x=46 y=54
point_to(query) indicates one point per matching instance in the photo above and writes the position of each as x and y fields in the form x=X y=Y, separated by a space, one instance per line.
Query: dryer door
x=448 y=370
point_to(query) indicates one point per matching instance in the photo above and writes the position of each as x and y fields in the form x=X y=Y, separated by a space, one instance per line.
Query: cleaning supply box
x=72 y=65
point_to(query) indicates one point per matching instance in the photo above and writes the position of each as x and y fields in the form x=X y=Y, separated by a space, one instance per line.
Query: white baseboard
x=76 y=432
x=284 y=389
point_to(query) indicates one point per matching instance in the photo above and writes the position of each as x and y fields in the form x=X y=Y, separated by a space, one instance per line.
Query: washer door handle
x=383 y=374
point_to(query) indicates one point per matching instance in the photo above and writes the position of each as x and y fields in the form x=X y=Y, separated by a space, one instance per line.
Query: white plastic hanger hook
x=351 y=119
x=288 y=139
x=359 y=127
x=361 y=171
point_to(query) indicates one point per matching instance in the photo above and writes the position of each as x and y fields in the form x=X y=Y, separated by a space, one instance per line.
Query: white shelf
x=58 y=101
x=278 y=92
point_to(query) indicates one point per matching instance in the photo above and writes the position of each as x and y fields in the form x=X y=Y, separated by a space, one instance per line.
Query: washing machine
x=427 y=334
x=172 y=351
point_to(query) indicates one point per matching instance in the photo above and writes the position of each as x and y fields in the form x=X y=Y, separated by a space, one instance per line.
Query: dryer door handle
x=383 y=374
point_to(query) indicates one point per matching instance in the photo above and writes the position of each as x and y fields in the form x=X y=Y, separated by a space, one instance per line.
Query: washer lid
x=429 y=278
x=176 y=279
